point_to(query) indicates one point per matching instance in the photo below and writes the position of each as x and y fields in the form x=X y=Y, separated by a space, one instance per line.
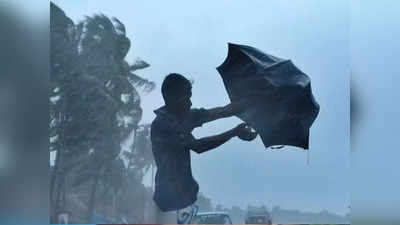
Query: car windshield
x=212 y=219
x=257 y=220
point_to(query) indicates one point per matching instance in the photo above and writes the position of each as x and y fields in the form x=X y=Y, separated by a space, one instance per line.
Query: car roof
x=257 y=215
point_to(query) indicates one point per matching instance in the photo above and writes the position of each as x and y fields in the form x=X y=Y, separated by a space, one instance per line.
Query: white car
x=258 y=219
x=212 y=218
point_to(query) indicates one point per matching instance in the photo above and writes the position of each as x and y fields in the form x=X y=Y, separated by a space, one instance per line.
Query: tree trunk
x=59 y=204
x=53 y=179
x=143 y=205
x=152 y=177
x=64 y=191
x=114 y=206
x=133 y=149
x=59 y=186
x=92 y=199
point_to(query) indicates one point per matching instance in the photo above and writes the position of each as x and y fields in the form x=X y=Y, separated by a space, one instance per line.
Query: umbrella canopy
x=285 y=107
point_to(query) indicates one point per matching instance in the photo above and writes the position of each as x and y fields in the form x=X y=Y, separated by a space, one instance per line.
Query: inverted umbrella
x=284 y=108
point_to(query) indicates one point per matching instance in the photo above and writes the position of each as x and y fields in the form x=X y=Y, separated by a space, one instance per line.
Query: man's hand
x=241 y=131
x=244 y=132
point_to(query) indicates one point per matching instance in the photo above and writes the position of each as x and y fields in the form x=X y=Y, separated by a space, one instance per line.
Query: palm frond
x=141 y=82
x=119 y=26
x=138 y=65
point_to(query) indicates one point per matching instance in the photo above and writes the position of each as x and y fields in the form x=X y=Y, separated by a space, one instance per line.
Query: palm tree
x=94 y=103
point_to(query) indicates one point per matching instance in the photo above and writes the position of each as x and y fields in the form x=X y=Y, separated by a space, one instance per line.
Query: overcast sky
x=190 y=37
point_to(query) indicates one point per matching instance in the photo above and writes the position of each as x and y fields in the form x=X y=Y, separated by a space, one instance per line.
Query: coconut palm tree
x=94 y=101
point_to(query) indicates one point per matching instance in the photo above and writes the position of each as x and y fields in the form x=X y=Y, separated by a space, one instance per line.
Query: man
x=175 y=187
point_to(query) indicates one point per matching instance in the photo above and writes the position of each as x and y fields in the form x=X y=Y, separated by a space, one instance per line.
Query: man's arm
x=230 y=109
x=208 y=143
x=225 y=111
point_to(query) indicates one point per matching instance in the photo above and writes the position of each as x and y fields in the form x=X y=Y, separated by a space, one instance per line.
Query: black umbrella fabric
x=284 y=108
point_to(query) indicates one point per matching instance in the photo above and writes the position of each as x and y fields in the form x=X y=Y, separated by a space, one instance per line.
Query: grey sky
x=375 y=50
x=191 y=38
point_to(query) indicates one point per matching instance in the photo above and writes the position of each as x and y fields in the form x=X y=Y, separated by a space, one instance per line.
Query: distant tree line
x=275 y=214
